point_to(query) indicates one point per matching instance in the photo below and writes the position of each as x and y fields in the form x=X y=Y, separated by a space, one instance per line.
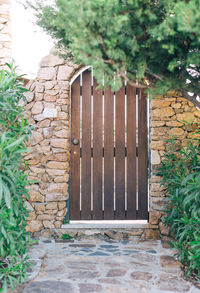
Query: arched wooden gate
x=109 y=157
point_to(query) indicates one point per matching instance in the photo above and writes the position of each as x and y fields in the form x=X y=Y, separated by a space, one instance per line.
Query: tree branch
x=120 y=72
x=192 y=99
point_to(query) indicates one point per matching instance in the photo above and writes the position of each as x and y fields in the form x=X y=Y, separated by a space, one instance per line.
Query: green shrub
x=66 y=237
x=14 y=132
x=180 y=171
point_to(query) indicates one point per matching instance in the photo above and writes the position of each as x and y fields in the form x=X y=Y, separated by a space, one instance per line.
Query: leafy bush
x=66 y=237
x=180 y=171
x=14 y=131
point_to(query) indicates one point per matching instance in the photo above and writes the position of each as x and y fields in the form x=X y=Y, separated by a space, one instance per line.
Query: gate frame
x=78 y=73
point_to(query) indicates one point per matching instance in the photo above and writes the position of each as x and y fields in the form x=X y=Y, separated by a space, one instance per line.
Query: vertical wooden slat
x=142 y=157
x=120 y=154
x=75 y=151
x=97 y=151
x=86 y=147
x=108 y=155
x=131 y=152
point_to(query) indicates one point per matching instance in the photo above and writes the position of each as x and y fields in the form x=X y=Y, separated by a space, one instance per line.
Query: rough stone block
x=49 y=85
x=163 y=112
x=36 y=196
x=158 y=145
x=160 y=103
x=31 y=216
x=157 y=203
x=187 y=116
x=59 y=143
x=49 y=98
x=154 y=217
x=39 y=207
x=34 y=226
x=176 y=105
x=156 y=187
x=56 y=165
x=150 y=234
x=61 y=213
x=159 y=131
x=40 y=87
x=57 y=224
x=51 y=60
x=56 y=197
x=62 y=133
x=156 y=193
x=157 y=123
x=39 y=117
x=48 y=224
x=164 y=230
x=45 y=217
x=29 y=96
x=44 y=123
x=169 y=262
x=37 y=108
x=55 y=172
x=58 y=188
x=61 y=205
x=36 y=137
x=37 y=170
x=197 y=113
x=155 y=179
x=50 y=113
x=59 y=157
x=47 y=132
x=46 y=73
x=177 y=132
x=29 y=206
x=155 y=157
x=174 y=124
x=52 y=205
x=65 y=72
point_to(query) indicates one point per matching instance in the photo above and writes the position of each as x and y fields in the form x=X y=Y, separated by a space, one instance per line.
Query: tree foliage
x=154 y=43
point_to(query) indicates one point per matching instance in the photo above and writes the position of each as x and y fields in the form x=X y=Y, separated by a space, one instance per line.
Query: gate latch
x=75 y=141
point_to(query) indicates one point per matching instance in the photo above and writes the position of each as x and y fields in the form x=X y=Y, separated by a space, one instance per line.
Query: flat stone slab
x=93 y=265
x=50 y=287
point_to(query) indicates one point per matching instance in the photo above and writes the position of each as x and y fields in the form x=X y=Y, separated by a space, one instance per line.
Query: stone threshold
x=109 y=225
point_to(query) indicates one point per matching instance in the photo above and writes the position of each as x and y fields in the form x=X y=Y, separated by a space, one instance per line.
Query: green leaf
x=1 y=189
x=7 y=196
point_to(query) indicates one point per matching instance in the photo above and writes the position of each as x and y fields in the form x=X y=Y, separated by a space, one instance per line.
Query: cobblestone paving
x=95 y=265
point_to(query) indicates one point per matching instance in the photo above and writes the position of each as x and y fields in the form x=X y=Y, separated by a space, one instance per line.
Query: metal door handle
x=75 y=141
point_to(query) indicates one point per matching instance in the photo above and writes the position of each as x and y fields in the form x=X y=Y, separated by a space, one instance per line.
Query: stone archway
x=48 y=110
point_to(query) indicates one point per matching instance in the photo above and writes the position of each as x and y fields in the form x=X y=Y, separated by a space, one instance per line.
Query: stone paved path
x=95 y=265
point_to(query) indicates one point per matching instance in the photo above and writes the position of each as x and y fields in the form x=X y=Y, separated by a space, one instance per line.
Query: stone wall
x=5 y=32
x=48 y=110
x=167 y=116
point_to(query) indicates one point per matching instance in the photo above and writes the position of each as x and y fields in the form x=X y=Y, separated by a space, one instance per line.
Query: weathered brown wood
x=97 y=151
x=86 y=147
x=120 y=154
x=109 y=150
x=131 y=152
x=142 y=157
x=108 y=155
x=75 y=152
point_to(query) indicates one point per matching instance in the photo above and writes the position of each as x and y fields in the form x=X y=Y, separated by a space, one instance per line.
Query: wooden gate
x=109 y=158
